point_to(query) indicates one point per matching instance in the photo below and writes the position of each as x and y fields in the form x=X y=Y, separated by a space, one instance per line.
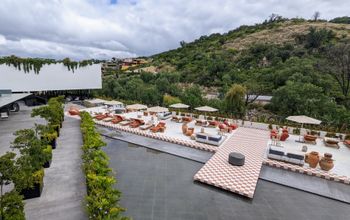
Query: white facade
x=51 y=77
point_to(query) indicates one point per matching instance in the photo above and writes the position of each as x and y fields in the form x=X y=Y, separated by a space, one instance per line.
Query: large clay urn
x=326 y=163
x=313 y=159
x=184 y=127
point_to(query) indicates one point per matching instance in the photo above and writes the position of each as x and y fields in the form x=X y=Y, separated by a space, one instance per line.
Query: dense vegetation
x=25 y=171
x=35 y=64
x=102 y=199
x=303 y=64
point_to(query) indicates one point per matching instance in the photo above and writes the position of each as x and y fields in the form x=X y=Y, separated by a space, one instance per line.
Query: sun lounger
x=146 y=126
x=125 y=123
x=136 y=123
x=331 y=142
x=310 y=139
x=117 y=119
x=159 y=128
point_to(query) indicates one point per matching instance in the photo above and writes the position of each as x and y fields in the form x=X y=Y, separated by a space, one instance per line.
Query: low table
x=236 y=159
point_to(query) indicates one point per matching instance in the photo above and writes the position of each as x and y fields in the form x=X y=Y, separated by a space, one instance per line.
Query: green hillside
x=304 y=64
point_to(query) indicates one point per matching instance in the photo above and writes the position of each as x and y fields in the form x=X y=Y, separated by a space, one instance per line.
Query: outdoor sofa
x=209 y=138
x=164 y=115
x=279 y=153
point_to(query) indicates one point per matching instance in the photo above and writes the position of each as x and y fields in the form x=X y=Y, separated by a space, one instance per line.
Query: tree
x=192 y=96
x=234 y=100
x=316 y=15
x=169 y=100
x=317 y=38
x=338 y=66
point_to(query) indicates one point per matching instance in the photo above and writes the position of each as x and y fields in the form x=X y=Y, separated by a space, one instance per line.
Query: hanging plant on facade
x=35 y=64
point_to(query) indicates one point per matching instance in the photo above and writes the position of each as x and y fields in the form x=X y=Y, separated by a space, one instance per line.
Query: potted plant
x=35 y=186
x=48 y=153
x=270 y=126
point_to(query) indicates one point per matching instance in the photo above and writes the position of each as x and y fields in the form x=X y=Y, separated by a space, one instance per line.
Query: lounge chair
x=125 y=123
x=136 y=123
x=310 y=139
x=331 y=142
x=159 y=128
x=231 y=125
x=213 y=124
x=102 y=116
x=117 y=119
x=225 y=128
x=146 y=126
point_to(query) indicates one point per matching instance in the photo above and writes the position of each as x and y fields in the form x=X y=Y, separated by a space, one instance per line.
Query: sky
x=101 y=29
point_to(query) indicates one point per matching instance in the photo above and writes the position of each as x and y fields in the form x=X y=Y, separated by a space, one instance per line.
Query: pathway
x=238 y=179
x=64 y=182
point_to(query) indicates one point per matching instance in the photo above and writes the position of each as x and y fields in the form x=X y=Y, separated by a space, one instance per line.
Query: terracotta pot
x=326 y=163
x=313 y=159
x=328 y=155
x=184 y=128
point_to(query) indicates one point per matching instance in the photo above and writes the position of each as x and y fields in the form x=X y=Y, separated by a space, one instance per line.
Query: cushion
x=295 y=156
x=216 y=138
x=201 y=136
x=276 y=152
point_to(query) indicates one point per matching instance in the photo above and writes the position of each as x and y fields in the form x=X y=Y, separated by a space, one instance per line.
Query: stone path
x=238 y=179
x=64 y=182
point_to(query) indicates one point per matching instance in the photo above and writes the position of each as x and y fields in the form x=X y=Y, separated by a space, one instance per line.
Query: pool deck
x=238 y=179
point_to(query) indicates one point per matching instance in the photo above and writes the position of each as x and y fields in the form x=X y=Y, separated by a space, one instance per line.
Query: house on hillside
x=259 y=99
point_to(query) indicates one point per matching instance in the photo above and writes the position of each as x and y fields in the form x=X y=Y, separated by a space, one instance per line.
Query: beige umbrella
x=157 y=109
x=179 y=105
x=136 y=107
x=113 y=102
x=302 y=119
x=206 y=109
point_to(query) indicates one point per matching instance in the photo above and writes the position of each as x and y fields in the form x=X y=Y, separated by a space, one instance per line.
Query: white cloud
x=88 y=28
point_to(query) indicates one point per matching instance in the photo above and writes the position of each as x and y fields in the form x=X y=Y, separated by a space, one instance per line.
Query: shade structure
x=113 y=102
x=179 y=105
x=302 y=119
x=206 y=109
x=136 y=107
x=157 y=109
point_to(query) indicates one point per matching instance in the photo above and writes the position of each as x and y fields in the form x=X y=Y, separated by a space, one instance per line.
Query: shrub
x=102 y=199
x=12 y=206
x=330 y=134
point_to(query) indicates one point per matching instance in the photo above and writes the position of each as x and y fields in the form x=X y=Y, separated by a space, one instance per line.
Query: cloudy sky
x=83 y=29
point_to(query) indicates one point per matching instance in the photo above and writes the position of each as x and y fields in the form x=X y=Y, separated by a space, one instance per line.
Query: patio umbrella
x=179 y=105
x=302 y=119
x=206 y=109
x=157 y=109
x=136 y=107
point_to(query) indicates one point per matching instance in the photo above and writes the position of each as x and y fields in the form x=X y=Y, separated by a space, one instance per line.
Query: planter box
x=32 y=192
x=47 y=164
x=53 y=143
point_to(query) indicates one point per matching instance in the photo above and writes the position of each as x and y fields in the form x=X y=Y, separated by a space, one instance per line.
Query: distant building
x=261 y=99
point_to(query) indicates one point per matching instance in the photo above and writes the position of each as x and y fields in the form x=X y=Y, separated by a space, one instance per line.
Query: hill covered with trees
x=303 y=64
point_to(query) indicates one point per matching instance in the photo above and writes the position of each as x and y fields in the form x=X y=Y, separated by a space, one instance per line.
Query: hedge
x=102 y=200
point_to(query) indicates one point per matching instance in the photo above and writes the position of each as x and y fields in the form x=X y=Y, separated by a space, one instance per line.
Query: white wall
x=51 y=77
